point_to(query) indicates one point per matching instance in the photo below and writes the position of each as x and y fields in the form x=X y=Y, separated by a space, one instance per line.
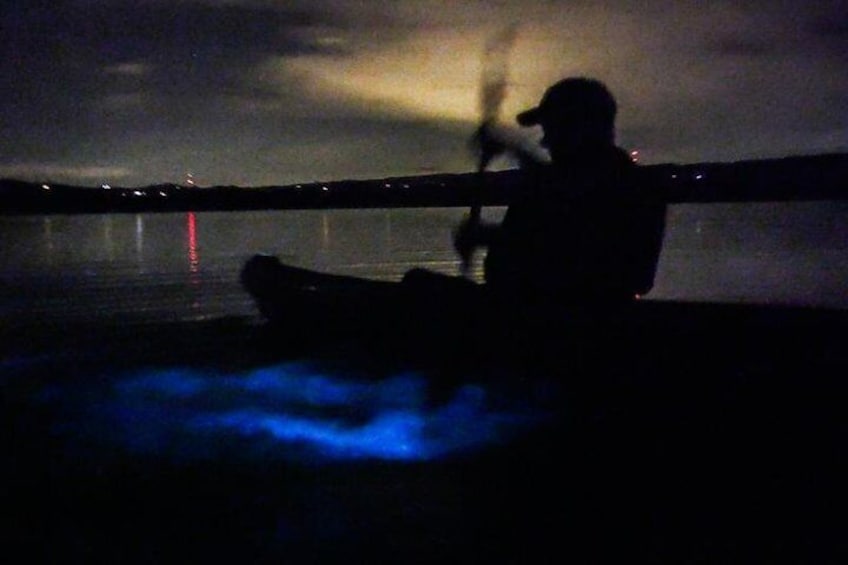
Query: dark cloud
x=830 y=36
x=78 y=70
x=114 y=32
x=835 y=29
x=187 y=46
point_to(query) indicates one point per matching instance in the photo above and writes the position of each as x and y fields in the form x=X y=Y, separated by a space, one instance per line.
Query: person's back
x=590 y=229
x=586 y=227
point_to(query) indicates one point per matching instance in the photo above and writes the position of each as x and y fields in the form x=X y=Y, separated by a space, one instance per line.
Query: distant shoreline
x=795 y=178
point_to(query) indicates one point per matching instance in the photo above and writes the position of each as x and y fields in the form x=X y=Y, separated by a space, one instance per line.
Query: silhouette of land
x=813 y=177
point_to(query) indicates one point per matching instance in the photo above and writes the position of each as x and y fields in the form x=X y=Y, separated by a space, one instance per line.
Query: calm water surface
x=184 y=266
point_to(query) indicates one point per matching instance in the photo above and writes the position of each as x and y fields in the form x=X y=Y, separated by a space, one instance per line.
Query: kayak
x=460 y=323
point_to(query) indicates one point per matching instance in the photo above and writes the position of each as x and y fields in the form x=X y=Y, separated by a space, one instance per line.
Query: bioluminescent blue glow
x=13 y=365
x=295 y=411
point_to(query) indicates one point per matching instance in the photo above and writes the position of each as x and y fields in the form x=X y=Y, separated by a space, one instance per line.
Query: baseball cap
x=586 y=98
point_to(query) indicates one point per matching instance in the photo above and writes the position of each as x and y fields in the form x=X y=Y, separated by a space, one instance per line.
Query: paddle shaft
x=492 y=93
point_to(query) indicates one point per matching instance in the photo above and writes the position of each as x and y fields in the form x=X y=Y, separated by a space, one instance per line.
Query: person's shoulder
x=635 y=179
x=531 y=183
x=643 y=181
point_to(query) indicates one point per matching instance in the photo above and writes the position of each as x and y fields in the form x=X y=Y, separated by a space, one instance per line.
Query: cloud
x=829 y=28
x=58 y=172
x=120 y=31
x=294 y=90
x=86 y=48
x=129 y=69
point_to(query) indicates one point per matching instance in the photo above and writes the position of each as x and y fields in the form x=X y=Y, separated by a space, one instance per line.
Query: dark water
x=151 y=442
x=184 y=266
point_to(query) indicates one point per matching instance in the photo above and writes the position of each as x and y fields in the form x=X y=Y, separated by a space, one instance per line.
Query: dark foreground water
x=147 y=417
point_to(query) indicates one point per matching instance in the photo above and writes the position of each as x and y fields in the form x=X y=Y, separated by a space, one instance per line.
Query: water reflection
x=326 y=240
x=149 y=265
x=108 y=243
x=139 y=240
x=194 y=278
x=193 y=255
x=47 y=238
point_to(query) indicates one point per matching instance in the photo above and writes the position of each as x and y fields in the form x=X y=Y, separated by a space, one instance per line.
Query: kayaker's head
x=576 y=114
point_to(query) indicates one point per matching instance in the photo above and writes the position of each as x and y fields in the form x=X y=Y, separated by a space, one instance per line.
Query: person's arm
x=491 y=140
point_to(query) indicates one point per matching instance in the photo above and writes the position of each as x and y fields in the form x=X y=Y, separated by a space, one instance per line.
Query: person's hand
x=487 y=143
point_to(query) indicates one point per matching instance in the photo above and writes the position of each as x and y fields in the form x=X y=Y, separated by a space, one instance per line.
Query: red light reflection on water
x=193 y=255
x=193 y=259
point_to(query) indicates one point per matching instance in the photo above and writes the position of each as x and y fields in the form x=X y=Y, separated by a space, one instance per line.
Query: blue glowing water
x=289 y=411
x=184 y=267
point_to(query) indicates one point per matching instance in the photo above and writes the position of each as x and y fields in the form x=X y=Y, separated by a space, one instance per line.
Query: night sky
x=253 y=92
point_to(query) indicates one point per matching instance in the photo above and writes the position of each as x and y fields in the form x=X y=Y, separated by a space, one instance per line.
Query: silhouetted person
x=585 y=229
x=585 y=232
